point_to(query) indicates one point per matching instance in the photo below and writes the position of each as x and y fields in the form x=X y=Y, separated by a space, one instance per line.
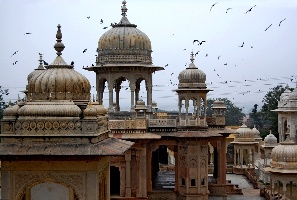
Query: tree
x=3 y=104
x=234 y=114
x=270 y=102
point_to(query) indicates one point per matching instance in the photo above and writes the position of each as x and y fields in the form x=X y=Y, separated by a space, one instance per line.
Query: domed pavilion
x=55 y=143
x=283 y=169
x=124 y=53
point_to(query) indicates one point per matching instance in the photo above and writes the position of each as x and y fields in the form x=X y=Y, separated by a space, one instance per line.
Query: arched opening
x=49 y=191
x=163 y=169
x=114 y=181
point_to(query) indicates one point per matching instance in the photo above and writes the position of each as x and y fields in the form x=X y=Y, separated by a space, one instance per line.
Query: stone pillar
x=117 y=108
x=234 y=157
x=149 y=97
x=241 y=157
x=132 y=88
x=122 y=181
x=222 y=161
x=176 y=170
x=110 y=89
x=142 y=172
x=149 y=170
x=128 y=173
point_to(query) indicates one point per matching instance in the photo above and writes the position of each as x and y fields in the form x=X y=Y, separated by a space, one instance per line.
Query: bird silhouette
x=268 y=27
x=195 y=41
x=196 y=53
x=14 y=63
x=101 y=21
x=166 y=65
x=184 y=49
x=281 y=22
x=228 y=9
x=27 y=33
x=212 y=6
x=225 y=63
x=172 y=74
x=45 y=63
x=72 y=63
x=219 y=57
x=85 y=50
x=105 y=27
x=249 y=10
x=206 y=55
x=88 y=17
x=14 y=53
x=241 y=45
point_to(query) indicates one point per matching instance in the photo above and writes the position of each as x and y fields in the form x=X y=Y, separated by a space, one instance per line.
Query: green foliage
x=234 y=114
x=3 y=104
x=266 y=119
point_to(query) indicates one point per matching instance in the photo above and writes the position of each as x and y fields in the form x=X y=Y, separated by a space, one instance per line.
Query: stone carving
x=22 y=180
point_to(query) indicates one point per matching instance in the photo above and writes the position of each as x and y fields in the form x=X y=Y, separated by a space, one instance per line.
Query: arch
x=30 y=183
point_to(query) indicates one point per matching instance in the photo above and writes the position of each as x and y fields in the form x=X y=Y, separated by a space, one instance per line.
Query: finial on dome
x=59 y=46
x=124 y=8
x=40 y=62
x=192 y=57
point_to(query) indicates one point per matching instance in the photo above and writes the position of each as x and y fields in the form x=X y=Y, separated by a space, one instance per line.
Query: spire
x=40 y=66
x=59 y=46
x=192 y=57
x=124 y=8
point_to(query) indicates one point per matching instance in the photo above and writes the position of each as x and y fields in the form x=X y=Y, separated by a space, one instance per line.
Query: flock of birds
x=229 y=83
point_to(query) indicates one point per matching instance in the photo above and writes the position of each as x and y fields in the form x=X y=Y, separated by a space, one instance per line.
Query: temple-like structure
x=55 y=144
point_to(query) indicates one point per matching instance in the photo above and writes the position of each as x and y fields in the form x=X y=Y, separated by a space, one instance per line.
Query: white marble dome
x=270 y=140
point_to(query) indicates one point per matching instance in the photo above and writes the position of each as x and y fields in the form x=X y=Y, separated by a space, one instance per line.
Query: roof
x=193 y=134
x=108 y=147
x=134 y=136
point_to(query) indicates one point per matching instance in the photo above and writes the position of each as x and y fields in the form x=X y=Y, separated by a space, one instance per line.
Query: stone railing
x=162 y=123
x=129 y=125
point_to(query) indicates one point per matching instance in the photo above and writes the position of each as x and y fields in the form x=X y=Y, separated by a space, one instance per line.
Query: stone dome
x=94 y=109
x=124 y=43
x=38 y=70
x=192 y=76
x=256 y=132
x=50 y=109
x=270 y=140
x=11 y=112
x=284 y=155
x=244 y=134
x=293 y=94
x=59 y=81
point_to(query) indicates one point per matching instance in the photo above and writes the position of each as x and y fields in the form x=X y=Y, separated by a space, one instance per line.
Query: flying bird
x=85 y=50
x=213 y=6
x=195 y=41
x=166 y=65
x=14 y=63
x=105 y=27
x=228 y=9
x=241 y=45
x=27 y=33
x=101 y=21
x=225 y=63
x=219 y=57
x=268 y=27
x=196 y=53
x=14 y=53
x=249 y=10
x=72 y=63
x=281 y=22
x=184 y=49
x=206 y=55
x=88 y=17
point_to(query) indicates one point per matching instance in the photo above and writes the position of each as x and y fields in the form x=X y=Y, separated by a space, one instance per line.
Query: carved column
x=176 y=169
x=110 y=89
x=149 y=97
x=123 y=181
x=128 y=173
x=142 y=172
x=132 y=88
x=149 y=169
x=117 y=90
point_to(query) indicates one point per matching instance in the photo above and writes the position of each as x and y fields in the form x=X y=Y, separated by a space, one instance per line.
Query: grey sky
x=172 y=25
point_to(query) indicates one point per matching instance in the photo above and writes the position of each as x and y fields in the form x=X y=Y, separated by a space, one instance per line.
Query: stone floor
x=247 y=189
x=165 y=181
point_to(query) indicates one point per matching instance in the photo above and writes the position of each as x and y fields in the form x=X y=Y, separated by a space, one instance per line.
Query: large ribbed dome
x=284 y=155
x=192 y=76
x=124 y=43
x=59 y=81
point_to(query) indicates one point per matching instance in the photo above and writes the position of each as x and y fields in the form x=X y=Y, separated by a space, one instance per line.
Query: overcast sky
x=242 y=74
